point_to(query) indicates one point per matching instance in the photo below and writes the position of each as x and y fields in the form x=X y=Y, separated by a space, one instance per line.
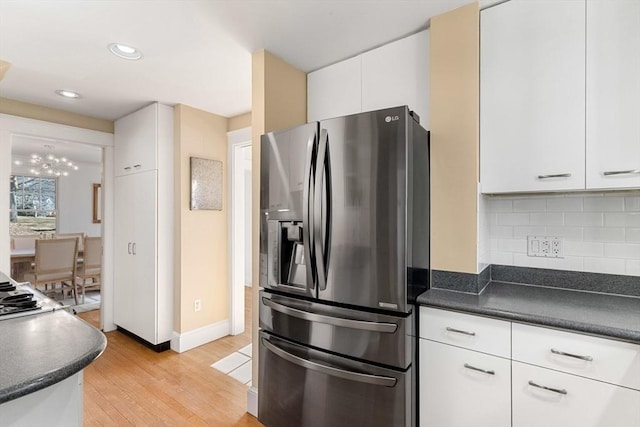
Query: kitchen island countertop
x=606 y=315
x=43 y=349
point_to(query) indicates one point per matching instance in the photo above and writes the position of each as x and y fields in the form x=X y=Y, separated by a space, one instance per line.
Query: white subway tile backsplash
x=614 y=219
x=564 y=205
x=555 y=218
x=512 y=245
x=633 y=235
x=605 y=265
x=584 y=249
x=573 y=233
x=583 y=219
x=603 y=204
x=513 y=219
x=599 y=234
x=529 y=205
x=632 y=204
x=622 y=250
x=600 y=231
x=522 y=231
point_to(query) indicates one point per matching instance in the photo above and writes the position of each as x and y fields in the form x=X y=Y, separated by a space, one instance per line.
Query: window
x=32 y=204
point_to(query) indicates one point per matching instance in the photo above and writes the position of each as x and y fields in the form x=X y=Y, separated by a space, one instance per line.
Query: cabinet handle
x=129 y=248
x=577 y=356
x=133 y=248
x=628 y=172
x=556 y=175
x=473 y=368
x=555 y=390
x=137 y=166
x=458 y=331
x=128 y=168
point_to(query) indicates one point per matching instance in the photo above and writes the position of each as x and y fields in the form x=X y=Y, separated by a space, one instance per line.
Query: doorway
x=240 y=223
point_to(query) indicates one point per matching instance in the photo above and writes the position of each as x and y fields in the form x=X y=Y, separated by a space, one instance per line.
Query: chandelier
x=51 y=165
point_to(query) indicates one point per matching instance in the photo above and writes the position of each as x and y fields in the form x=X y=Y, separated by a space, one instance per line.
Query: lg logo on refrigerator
x=390 y=119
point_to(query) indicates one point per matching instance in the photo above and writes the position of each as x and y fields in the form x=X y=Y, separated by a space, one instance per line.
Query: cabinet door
x=454 y=392
x=334 y=91
x=398 y=74
x=532 y=96
x=125 y=199
x=136 y=138
x=143 y=290
x=613 y=93
x=569 y=400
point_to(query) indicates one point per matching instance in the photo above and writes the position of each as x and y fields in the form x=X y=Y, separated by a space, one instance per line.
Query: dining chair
x=27 y=241
x=56 y=262
x=91 y=266
x=79 y=236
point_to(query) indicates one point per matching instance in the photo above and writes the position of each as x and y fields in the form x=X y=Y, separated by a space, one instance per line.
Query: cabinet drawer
x=569 y=400
x=468 y=331
x=598 y=358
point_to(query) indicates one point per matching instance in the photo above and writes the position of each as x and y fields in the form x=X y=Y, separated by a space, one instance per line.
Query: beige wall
x=279 y=101
x=201 y=236
x=239 y=122
x=38 y=112
x=454 y=89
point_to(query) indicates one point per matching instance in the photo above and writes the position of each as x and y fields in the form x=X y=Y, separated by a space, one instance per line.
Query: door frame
x=237 y=140
x=21 y=126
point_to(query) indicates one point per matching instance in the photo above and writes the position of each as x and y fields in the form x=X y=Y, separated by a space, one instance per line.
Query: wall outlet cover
x=544 y=246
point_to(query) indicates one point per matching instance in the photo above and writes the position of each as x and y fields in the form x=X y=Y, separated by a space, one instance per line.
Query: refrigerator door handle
x=383 y=327
x=307 y=213
x=322 y=224
x=328 y=370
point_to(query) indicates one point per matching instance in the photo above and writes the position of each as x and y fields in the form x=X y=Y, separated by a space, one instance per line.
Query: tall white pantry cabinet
x=144 y=223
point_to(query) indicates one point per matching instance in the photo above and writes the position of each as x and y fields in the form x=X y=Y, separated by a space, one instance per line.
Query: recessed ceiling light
x=68 y=93
x=124 y=51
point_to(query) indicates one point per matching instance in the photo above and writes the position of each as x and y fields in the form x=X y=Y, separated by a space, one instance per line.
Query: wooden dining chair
x=91 y=266
x=79 y=236
x=56 y=262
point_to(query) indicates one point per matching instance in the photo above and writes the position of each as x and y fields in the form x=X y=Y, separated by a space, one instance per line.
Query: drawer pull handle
x=473 y=368
x=555 y=175
x=576 y=356
x=458 y=331
x=628 y=172
x=555 y=390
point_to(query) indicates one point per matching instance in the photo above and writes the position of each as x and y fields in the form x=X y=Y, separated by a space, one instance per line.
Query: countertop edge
x=31 y=385
x=627 y=335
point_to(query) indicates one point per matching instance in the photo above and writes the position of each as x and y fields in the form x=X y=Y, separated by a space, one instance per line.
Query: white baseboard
x=252 y=401
x=192 y=339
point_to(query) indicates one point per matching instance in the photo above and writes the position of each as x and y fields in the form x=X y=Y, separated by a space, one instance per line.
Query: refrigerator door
x=300 y=386
x=286 y=196
x=361 y=208
x=379 y=338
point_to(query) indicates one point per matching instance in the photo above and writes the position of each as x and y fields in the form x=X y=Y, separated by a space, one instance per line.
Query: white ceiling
x=196 y=52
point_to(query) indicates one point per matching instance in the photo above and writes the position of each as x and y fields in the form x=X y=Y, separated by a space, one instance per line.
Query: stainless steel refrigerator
x=344 y=251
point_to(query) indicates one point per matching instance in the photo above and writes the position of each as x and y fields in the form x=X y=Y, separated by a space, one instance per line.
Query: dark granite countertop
x=605 y=315
x=43 y=349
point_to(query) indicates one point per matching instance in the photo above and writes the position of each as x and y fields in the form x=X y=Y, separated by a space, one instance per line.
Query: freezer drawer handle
x=576 y=356
x=555 y=390
x=460 y=331
x=473 y=368
x=328 y=370
x=627 y=172
x=364 y=325
x=555 y=175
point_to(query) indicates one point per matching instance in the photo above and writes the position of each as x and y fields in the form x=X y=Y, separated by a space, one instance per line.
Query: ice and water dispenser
x=286 y=263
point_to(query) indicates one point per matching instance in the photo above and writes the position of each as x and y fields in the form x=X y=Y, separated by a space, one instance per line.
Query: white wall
x=600 y=231
x=247 y=219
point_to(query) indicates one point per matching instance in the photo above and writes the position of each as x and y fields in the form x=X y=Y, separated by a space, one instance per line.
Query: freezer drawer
x=303 y=387
x=379 y=338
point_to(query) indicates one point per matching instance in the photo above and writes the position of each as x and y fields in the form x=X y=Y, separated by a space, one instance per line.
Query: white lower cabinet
x=543 y=397
x=462 y=388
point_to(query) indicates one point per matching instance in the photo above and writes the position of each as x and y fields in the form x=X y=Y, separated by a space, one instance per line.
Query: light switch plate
x=545 y=246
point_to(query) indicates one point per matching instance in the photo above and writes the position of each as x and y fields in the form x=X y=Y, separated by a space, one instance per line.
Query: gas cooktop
x=19 y=299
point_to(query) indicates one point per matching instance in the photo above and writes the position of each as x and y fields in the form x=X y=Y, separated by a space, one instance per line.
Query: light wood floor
x=132 y=385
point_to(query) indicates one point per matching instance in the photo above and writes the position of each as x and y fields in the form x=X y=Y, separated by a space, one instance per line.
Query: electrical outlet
x=544 y=246
x=197 y=305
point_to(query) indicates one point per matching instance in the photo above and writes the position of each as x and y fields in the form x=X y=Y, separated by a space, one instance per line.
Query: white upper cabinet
x=392 y=75
x=136 y=141
x=532 y=96
x=398 y=74
x=613 y=93
x=335 y=90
